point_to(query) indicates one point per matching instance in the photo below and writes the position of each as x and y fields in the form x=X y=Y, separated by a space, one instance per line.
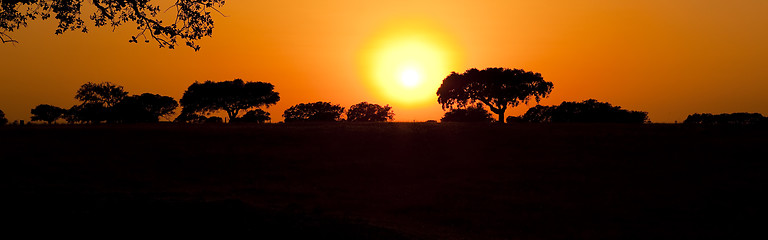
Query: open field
x=386 y=181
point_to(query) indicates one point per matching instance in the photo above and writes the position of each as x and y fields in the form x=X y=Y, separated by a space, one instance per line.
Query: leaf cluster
x=192 y=22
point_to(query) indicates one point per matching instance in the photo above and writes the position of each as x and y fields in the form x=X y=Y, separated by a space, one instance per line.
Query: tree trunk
x=501 y=116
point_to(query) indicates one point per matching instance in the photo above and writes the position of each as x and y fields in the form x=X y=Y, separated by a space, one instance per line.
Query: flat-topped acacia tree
x=497 y=88
x=229 y=96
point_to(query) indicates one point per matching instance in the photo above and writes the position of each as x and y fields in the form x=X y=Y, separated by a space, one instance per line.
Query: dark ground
x=385 y=181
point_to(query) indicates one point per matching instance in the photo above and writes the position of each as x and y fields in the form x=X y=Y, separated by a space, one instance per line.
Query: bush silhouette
x=497 y=88
x=313 y=112
x=369 y=112
x=144 y=108
x=470 y=114
x=589 y=111
x=726 y=119
x=254 y=116
x=229 y=96
x=214 y=119
x=47 y=113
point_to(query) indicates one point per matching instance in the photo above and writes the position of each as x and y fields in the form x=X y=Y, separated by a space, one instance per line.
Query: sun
x=406 y=62
x=410 y=77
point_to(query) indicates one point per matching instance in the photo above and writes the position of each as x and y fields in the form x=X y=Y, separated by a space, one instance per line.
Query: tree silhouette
x=369 y=112
x=98 y=100
x=146 y=107
x=229 y=96
x=254 y=116
x=89 y=113
x=105 y=94
x=318 y=111
x=192 y=22
x=497 y=88
x=47 y=113
x=589 y=111
x=3 y=120
x=470 y=114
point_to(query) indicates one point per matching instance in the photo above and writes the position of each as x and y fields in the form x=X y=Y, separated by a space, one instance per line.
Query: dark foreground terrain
x=385 y=181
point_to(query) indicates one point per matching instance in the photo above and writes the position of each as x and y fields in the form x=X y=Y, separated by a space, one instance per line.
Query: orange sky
x=669 y=58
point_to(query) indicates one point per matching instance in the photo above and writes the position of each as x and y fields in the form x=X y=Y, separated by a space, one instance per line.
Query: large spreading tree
x=498 y=88
x=192 y=20
x=229 y=96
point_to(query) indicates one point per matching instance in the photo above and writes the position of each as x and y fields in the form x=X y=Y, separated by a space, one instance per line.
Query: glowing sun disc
x=406 y=62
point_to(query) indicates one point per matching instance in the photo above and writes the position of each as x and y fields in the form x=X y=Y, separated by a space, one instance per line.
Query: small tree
x=470 y=114
x=497 y=88
x=3 y=120
x=229 y=96
x=369 y=112
x=47 y=113
x=318 y=111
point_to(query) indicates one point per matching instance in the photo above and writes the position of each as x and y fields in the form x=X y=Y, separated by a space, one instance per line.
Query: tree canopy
x=470 y=114
x=497 y=88
x=369 y=112
x=229 y=96
x=47 y=113
x=146 y=107
x=589 y=111
x=192 y=20
x=318 y=111
x=105 y=94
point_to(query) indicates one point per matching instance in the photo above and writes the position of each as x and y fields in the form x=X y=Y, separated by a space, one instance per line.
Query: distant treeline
x=727 y=119
x=467 y=97
x=109 y=103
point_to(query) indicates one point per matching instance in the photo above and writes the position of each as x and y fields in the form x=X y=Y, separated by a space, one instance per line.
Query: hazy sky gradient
x=669 y=58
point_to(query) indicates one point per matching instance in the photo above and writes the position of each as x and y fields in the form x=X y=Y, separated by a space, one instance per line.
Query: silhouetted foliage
x=369 y=112
x=470 y=114
x=318 y=111
x=497 y=88
x=105 y=94
x=47 y=113
x=89 y=113
x=144 y=108
x=589 y=111
x=726 y=119
x=213 y=119
x=187 y=117
x=513 y=119
x=3 y=120
x=254 y=116
x=230 y=96
x=192 y=22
